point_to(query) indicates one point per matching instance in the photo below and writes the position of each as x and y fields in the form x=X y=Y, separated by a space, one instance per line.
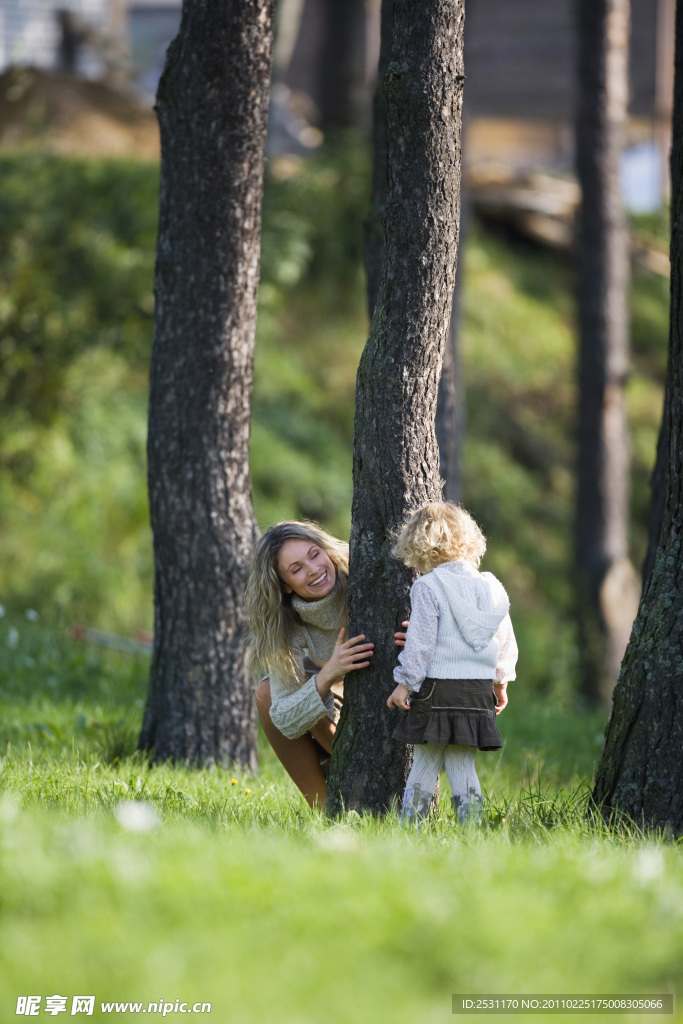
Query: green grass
x=235 y=893
x=337 y=922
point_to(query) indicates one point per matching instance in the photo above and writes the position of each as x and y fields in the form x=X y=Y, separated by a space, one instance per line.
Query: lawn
x=151 y=884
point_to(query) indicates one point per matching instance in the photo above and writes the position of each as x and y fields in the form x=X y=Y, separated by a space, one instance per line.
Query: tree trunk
x=641 y=769
x=450 y=403
x=373 y=253
x=657 y=495
x=212 y=106
x=395 y=455
x=341 y=74
x=607 y=585
x=450 y=406
x=658 y=480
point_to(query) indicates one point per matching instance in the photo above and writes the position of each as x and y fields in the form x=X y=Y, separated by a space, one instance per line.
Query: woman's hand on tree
x=346 y=656
x=400 y=638
x=399 y=698
x=501 y=692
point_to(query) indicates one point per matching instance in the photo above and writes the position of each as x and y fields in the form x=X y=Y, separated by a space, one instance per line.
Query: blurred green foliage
x=76 y=307
x=76 y=257
x=77 y=242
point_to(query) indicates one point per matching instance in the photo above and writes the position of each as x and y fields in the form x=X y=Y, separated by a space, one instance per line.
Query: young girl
x=296 y=610
x=460 y=652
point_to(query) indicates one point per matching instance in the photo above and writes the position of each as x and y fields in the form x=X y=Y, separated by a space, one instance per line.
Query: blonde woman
x=459 y=655
x=296 y=610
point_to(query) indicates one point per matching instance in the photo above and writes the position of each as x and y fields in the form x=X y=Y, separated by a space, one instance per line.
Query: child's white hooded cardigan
x=459 y=628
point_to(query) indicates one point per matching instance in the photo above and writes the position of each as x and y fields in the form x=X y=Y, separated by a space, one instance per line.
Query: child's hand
x=399 y=698
x=501 y=692
x=400 y=638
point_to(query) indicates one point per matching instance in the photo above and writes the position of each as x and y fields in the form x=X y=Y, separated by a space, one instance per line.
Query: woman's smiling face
x=306 y=569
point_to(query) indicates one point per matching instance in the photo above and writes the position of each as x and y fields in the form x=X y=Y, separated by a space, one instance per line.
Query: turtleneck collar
x=325 y=613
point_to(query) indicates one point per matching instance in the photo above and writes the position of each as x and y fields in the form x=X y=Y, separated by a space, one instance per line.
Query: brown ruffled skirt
x=452 y=711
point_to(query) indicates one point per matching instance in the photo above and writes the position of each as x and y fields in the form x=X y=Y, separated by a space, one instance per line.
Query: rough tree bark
x=607 y=584
x=641 y=768
x=212 y=105
x=450 y=406
x=658 y=481
x=657 y=495
x=395 y=453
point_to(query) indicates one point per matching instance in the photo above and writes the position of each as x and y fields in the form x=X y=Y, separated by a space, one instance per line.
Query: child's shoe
x=468 y=809
x=415 y=807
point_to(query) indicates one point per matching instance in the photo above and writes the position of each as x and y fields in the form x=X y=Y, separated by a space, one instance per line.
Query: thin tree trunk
x=450 y=406
x=657 y=496
x=658 y=480
x=395 y=453
x=212 y=105
x=373 y=252
x=446 y=416
x=450 y=403
x=641 y=768
x=341 y=85
x=607 y=585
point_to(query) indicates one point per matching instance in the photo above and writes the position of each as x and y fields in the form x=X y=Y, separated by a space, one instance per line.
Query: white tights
x=428 y=760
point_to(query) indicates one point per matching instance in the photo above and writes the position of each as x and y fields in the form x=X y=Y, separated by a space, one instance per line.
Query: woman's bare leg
x=298 y=757
x=323 y=731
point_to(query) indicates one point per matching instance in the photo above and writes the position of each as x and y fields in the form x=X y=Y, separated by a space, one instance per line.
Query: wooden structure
x=521 y=58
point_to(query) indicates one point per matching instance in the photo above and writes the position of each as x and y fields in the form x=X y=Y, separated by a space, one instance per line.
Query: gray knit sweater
x=296 y=708
x=459 y=628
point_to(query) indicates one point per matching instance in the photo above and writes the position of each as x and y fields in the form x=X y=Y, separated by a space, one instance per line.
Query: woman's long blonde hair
x=269 y=611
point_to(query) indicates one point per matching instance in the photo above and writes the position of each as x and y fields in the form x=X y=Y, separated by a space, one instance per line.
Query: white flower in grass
x=8 y=810
x=12 y=637
x=2 y=611
x=338 y=839
x=137 y=815
x=649 y=866
x=32 y=615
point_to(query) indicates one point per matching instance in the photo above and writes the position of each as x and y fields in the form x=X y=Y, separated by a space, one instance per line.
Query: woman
x=296 y=609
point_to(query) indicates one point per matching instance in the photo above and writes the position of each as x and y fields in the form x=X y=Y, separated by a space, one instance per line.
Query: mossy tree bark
x=607 y=584
x=641 y=767
x=212 y=105
x=396 y=464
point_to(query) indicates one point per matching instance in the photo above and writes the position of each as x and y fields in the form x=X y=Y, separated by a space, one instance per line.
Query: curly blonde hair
x=438 y=532
x=268 y=609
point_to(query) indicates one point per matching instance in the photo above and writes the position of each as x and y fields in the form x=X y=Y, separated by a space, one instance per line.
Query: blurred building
x=92 y=38
x=152 y=24
x=520 y=60
x=30 y=31
x=520 y=92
